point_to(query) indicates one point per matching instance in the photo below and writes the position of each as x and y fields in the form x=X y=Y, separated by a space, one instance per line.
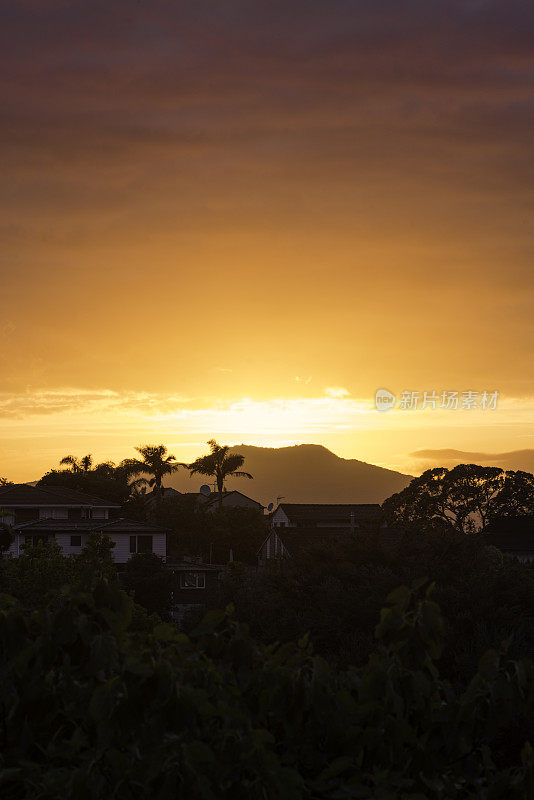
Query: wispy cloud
x=336 y=391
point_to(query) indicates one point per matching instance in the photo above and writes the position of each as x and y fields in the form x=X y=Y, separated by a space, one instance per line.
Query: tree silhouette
x=155 y=462
x=466 y=498
x=219 y=465
x=83 y=464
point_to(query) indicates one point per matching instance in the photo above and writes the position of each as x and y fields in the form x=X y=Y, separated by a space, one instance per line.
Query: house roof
x=120 y=525
x=330 y=512
x=298 y=540
x=168 y=491
x=21 y=494
x=214 y=497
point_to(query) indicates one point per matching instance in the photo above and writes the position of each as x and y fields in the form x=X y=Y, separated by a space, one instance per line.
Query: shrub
x=90 y=711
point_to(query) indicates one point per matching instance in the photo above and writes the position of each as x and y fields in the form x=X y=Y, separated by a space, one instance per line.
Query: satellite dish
x=270 y=507
x=205 y=490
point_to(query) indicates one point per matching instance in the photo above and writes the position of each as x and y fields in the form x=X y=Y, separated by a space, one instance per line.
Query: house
x=355 y=516
x=233 y=499
x=299 y=528
x=42 y=513
x=21 y=502
x=194 y=586
x=513 y=536
x=167 y=493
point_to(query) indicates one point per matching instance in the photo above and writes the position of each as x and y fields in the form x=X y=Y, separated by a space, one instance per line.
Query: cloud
x=70 y=402
x=513 y=460
x=336 y=391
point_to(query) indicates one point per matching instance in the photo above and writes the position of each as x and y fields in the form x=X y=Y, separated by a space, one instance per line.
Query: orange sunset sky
x=240 y=219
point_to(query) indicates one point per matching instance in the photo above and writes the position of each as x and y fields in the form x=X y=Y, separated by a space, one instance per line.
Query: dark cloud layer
x=361 y=155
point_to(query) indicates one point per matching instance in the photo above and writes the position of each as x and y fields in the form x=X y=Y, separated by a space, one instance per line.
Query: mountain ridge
x=304 y=473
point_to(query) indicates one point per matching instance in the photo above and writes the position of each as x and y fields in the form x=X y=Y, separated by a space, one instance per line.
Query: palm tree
x=86 y=462
x=72 y=462
x=155 y=462
x=219 y=465
x=83 y=465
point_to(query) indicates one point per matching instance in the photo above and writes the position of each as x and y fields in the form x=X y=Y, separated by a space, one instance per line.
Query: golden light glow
x=292 y=209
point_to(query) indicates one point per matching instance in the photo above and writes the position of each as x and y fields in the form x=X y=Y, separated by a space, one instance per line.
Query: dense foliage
x=147 y=579
x=210 y=534
x=465 y=498
x=38 y=574
x=105 y=481
x=91 y=711
x=485 y=597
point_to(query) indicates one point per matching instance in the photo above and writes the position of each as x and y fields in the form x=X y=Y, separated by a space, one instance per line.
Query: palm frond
x=232 y=463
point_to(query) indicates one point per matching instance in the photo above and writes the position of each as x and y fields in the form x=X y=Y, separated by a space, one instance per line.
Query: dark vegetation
x=94 y=709
x=305 y=696
x=210 y=534
x=486 y=598
x=466 y=499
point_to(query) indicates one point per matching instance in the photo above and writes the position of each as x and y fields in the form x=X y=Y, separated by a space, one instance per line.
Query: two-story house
x=38 y=513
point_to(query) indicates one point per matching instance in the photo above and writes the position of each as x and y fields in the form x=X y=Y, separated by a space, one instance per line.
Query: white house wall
x=280 y=518
x=121 y=551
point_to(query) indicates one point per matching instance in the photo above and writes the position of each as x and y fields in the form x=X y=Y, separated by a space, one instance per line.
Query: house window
x=53 y=513
x=141 y=544
x=76 y=540
x=192 y=580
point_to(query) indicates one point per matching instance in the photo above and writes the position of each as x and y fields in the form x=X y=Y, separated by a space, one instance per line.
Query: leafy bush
x=90 y=710
x=337 y=593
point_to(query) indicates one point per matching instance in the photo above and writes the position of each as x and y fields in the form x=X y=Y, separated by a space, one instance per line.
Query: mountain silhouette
x=305 y=473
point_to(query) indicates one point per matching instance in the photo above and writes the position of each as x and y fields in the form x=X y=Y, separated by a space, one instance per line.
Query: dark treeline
x=323 y=678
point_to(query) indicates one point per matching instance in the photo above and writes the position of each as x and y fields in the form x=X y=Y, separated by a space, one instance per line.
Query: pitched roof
x=214 y=497
x=168 y=492
x=330 y=512
x=21 y=494
x=120 y=525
